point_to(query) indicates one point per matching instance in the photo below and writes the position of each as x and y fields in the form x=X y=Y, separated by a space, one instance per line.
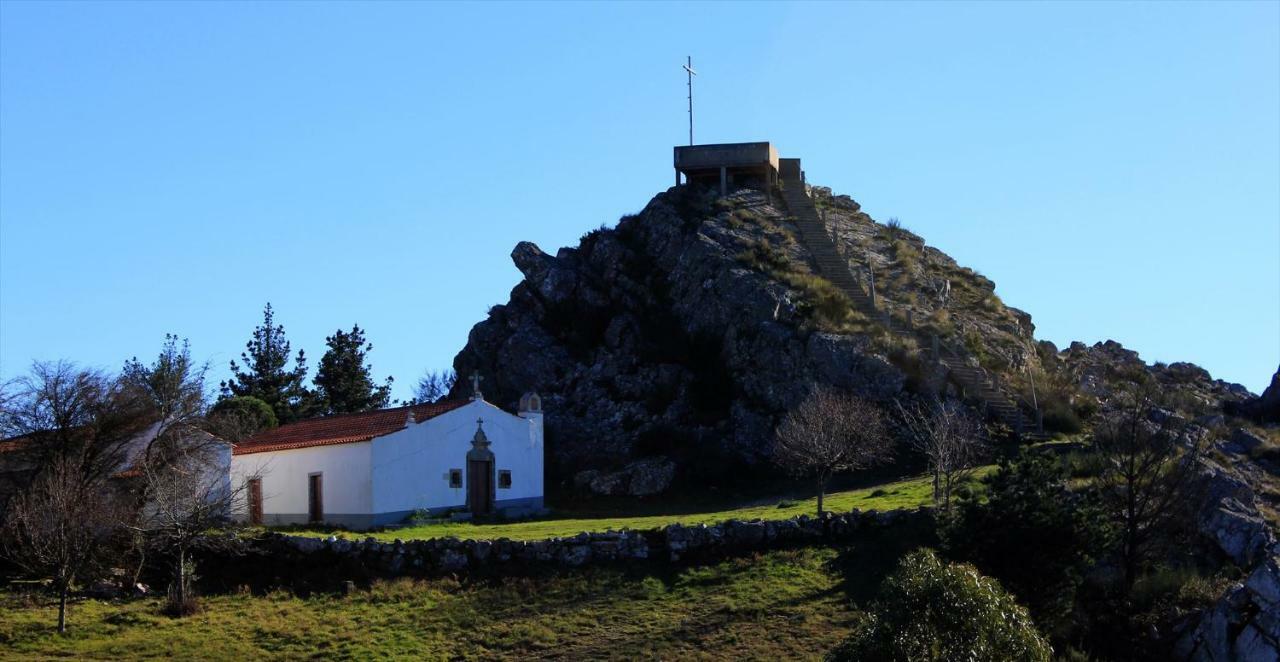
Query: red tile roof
x=341 y=429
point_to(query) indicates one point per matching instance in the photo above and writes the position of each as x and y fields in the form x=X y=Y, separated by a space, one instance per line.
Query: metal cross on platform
x=688 y=67
x=475 y=385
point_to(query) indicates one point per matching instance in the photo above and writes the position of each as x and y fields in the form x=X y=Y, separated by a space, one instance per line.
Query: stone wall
x=276 y=559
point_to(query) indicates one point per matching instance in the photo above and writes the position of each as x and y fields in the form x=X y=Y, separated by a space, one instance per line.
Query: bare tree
x=433 y=386
x=63 y=526
x=187 y=493
x=831 y=432
x=60 y=411
x=949 y=438
x=185 y=471
x=1150 y=476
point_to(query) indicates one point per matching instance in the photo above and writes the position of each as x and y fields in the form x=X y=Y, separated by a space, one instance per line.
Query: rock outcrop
x=662 y=337
x=1264 y=409
x=691 y=328
x=1245 y=622
x=645 y=477
x=1100 y=370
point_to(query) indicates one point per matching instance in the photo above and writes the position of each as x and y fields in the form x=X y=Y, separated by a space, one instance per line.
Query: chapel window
x=455 y=478
x=504 y=479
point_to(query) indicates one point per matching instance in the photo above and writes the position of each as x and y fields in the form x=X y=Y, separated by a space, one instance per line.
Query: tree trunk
x=137 y=570
x=1130 y=548
x=946 y=493
x=62 y=607
x=181 y=593
x=822 y=488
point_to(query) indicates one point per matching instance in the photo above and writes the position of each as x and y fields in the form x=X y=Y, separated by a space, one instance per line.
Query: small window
x=455 y=478
x=504 y=479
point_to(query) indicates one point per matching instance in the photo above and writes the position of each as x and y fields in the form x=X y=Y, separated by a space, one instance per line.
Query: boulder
x=1243 y=441
x=644 y=477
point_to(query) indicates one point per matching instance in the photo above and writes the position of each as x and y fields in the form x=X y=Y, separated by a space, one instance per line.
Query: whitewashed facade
x=328 y=471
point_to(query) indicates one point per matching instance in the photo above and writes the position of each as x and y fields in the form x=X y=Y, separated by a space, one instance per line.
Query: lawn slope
x=911 y=493
x=780 y=605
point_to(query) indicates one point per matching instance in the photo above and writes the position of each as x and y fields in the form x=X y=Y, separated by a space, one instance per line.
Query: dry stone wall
x=280 y=559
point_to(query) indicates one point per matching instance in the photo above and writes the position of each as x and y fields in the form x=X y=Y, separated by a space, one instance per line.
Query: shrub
x=1059 y=416
x=1084 y=465
x=940 y=323
x=931 y=610
x=253 y=414
x=763 y=256
x=420 y=517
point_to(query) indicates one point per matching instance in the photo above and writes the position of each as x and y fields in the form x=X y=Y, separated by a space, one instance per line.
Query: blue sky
x=171 y=167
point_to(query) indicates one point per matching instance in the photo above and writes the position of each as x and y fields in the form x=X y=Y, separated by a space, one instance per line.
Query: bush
x=1084 y=464
x=1059 y=416
x=931 y=610
x=252 y=413
x=762 y=256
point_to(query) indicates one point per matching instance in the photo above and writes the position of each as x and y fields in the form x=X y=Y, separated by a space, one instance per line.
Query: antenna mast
x=688 y=67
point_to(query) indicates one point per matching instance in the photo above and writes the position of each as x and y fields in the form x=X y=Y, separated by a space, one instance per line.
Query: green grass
x=792 y=604
x=910 y=493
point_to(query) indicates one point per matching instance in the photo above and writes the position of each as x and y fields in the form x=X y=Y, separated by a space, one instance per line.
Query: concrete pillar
x=677 y=176
x=724 y=180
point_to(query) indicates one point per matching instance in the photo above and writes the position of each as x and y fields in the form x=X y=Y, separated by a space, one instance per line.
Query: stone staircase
x=977 y=383
x=831 y=264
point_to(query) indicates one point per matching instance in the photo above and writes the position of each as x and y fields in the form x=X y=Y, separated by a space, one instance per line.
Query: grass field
x=791 y=604
x=910 y=493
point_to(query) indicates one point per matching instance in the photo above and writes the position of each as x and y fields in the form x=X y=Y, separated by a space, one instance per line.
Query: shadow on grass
x=864 y=564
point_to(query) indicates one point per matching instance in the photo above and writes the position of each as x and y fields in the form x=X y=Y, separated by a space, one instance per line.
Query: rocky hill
x=680 y=337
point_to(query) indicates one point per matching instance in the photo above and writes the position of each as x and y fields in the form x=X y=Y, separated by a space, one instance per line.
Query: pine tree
x=344 y=382
x=265 y=375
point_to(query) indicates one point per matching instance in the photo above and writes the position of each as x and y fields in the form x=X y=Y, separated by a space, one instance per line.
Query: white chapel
x=377 y=468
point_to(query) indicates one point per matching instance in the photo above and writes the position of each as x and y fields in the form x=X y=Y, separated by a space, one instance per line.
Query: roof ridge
x=345 y=428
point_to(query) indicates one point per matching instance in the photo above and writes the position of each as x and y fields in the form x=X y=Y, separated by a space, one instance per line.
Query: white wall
x=379 y=481
x=346 y=483
x=411 y=467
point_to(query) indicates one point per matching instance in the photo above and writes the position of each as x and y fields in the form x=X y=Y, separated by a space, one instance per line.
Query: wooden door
x=480 y=486
x=315 y=498
x=255 y=501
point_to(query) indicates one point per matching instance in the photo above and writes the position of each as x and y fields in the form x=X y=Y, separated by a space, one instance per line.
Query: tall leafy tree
x=266 y=375
x=344 y=381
